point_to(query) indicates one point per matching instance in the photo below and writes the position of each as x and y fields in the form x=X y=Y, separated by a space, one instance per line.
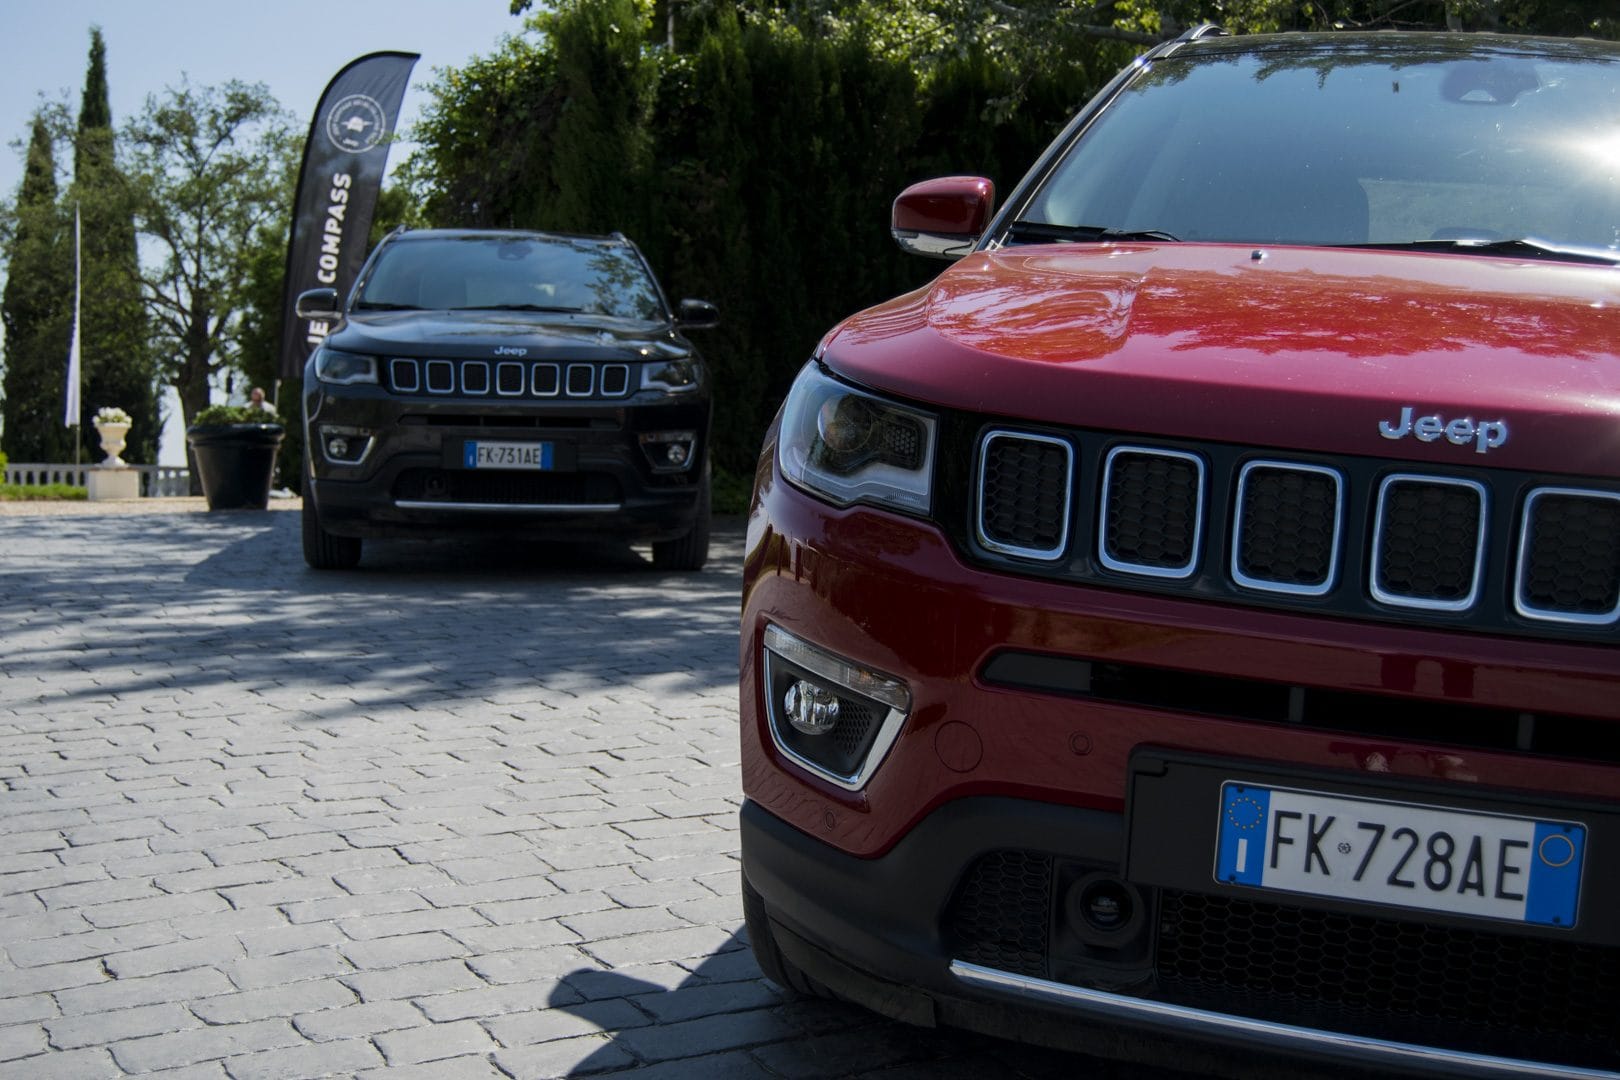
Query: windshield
x=1353 y=146
x=521 y=273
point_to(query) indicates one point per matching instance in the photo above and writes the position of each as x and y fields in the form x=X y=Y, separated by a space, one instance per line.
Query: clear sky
x=292 y=46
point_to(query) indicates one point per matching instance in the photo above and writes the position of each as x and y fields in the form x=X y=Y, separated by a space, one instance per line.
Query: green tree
x=208 y=170
x=116 y=353
x=37 y=311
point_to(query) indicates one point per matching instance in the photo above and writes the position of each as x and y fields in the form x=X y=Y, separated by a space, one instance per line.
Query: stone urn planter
x=234 y=448
x=112 y=427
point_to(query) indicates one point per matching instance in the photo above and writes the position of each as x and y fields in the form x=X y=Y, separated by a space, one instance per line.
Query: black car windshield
x=1336 y=144
x=511 y=273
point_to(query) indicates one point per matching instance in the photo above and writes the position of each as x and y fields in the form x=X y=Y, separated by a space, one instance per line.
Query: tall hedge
x=755 y=166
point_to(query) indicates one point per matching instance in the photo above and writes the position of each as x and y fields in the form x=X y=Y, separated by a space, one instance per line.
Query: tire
x=691 y=551
x=322 y=550
x=772 y=964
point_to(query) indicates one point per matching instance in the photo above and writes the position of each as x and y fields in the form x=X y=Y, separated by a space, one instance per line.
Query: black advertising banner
x=337 y=190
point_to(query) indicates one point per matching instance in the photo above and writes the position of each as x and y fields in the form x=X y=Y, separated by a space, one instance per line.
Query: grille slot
x=615 y=380
x=1000 y=916
x=474 y=377
x=581 y=380
x=547 y=380
x=1286 y=536
x=1025 y=485
x=1569 y=557
x=1468 y=989
x=1429 y=543
x=405 y=375
x=509 y=379
x=1152 y=511
x=441 y=377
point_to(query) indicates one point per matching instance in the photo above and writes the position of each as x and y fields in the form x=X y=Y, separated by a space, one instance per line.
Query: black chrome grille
x=1001 y=914
x=500 y=488
x=1152 y=511
x=1287 y=530
x=1428 y=548
x=1493 y=550
x=1025 y=482
x=1472 y=990
x=506 y=379
x=1569 y=558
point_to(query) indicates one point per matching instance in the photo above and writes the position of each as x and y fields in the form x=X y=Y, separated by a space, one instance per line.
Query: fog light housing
x=830 y=715
x=669 y=451
x=345 y=445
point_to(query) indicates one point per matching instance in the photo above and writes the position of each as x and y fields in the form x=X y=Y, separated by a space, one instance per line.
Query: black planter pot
x=235 y=463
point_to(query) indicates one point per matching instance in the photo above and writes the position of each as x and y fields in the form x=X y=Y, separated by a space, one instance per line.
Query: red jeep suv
x=1197 y=612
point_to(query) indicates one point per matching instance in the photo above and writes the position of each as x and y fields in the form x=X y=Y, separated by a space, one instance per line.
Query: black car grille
x=514 y=380
x=1467 y=548
x=1467 y=989
x=497 y=488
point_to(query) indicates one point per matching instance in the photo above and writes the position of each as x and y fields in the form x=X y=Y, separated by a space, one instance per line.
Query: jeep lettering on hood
x=1486 y=435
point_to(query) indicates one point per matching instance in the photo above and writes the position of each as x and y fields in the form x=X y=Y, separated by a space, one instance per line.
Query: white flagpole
x=71 y=412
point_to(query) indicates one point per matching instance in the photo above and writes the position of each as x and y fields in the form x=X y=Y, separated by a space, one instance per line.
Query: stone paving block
x=498 y=1001
x=581 y=1056
x=692 y=1002
x=317 y=963
x=547 y=1025
x=99 y=1029
x=598 y=926
x=733 y=1065
x=22 y=1040
x=467 y=1067
x=154 y=909
x=345 y=906
x=389 y=952
x=525 y=965
x=203 y=1044
x=414 y=980
x=663 y=945
x=89 y=1064
x=694 y=1037
x=62 y=948
x=412 y=1046
x=410 y=922
x=288 y=1000
x=281 y=938
x=18 y=1010
x=180 y=956
x=298 y=1062
x=53 y=978
x=363 y=1021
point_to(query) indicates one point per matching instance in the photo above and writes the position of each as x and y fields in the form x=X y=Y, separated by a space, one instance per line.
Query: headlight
x=344 y=368
x=671 y=376
x=850 y=446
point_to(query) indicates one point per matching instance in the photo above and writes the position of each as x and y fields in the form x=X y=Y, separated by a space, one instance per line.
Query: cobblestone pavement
x=465 y=812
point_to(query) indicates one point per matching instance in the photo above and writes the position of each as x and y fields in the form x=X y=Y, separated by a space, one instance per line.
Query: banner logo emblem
x=356 y=124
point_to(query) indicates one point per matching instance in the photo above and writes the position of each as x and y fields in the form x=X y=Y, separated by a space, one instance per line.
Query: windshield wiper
x=384 y=305
x=520 y=307
x=1527 y=246
x=1041 y=231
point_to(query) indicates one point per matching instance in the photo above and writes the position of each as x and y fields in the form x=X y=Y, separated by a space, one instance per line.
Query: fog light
x=338 y=447
x=668 y=451
x=810 y=708
x=345 y=445
x=677 y=453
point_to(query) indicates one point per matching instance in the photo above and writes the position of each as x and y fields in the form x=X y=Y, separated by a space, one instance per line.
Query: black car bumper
x=978 y=919
x=409 y=474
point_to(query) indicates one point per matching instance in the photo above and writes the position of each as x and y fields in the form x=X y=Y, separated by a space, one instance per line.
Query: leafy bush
x=234 y=414
x=3 y=459
x=56 y=492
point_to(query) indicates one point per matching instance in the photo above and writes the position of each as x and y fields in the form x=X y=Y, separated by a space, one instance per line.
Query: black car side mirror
x=317 y=304
x=697 y=315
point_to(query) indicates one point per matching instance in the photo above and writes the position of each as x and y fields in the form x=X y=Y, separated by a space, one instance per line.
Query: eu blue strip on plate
x=1244 y=811
x=1555 y=874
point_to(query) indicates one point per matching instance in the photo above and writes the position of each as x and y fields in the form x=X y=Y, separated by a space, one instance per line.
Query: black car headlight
x=850 y=446
x=344 y=368
x=672 y=376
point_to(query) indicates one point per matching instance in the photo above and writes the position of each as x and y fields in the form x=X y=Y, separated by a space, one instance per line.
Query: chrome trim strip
x=1262 y=584
x=556 y=379
x=622 y=368
x=1176 y=572
x=1043 y=554
x=469 y=365
x=888 y=729
x=505 y=365
x=1553 y=614
x=1384 y=596
x=527 y=508
x=590 y=383
x=398 y=364
x=428 y=379
x=1202 y=1022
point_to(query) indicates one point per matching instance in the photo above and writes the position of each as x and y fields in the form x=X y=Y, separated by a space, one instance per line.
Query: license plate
x=1398 y=854
x=506 y=455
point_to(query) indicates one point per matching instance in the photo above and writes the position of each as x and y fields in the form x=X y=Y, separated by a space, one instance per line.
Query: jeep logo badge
x=509 y=350
x=1485 y=435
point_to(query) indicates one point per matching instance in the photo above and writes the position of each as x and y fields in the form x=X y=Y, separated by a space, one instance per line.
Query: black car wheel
x=322 y=550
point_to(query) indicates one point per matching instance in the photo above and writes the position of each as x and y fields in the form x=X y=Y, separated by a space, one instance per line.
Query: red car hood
x=1292 y=347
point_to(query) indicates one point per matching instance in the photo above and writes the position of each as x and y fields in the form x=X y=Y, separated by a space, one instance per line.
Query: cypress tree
x=36 y=310
x=118 y=365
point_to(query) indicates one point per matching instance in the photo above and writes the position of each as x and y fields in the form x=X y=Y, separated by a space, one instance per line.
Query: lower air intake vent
x=1001 y=914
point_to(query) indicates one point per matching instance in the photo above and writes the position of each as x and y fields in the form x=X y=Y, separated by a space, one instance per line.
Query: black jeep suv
x=514 y=382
